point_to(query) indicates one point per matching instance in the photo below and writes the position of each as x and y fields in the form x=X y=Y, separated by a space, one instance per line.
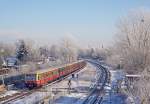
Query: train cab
x=30 y=80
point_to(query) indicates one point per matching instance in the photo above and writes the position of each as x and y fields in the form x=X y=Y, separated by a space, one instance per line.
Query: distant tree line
x=26 y=52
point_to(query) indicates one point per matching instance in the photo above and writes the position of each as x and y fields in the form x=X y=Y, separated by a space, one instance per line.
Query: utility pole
x=69 y=86
x=2 y=58
x=2 y=77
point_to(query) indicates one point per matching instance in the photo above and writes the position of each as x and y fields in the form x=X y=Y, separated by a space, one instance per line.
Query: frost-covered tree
x=132 y=50
x=54 y=51
x=21 y=52
x=68 y=51
x=132 y=46
x=6 y=50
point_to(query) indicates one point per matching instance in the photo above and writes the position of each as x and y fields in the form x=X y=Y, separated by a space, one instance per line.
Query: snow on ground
x=114 y=99
x=117 y=75
x=81 y=86
x=59 y=94
x=112 y=93
x=73 y=98
x=8 y=93
x=31 y=99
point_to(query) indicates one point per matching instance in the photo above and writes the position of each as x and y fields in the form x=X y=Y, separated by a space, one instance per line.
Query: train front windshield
x=30 y=77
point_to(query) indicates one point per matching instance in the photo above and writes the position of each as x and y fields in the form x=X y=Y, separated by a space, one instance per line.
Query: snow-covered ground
x=81 y=85
x=113 y=94
x=8 y=93
x=59 y=94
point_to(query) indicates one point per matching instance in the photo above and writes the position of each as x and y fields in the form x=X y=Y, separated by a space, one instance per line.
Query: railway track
x=29 y=92
x=8 y=100
x=95 y=96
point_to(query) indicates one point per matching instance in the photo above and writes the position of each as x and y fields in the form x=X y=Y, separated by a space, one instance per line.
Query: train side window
x=50 y=74
x=47 y=74
x=59 y=71
x=54 y=73
x=38 y=77
x=42 y=75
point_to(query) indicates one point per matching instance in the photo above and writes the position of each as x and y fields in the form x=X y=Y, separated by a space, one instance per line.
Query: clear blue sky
x=49 y=20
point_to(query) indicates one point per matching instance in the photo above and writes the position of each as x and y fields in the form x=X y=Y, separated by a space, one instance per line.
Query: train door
x=62 y=71
x=54 y=75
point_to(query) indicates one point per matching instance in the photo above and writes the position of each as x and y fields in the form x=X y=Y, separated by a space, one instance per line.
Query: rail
x=29 y=92
x=95 y=96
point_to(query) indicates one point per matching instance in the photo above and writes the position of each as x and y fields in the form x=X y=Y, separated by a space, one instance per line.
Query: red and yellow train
x=42 y=77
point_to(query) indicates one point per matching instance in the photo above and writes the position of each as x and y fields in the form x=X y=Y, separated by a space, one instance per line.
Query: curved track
x=95 y=96
x=29 y=92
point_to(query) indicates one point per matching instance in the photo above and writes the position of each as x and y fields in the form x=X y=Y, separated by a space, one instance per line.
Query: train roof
x=53 y=68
